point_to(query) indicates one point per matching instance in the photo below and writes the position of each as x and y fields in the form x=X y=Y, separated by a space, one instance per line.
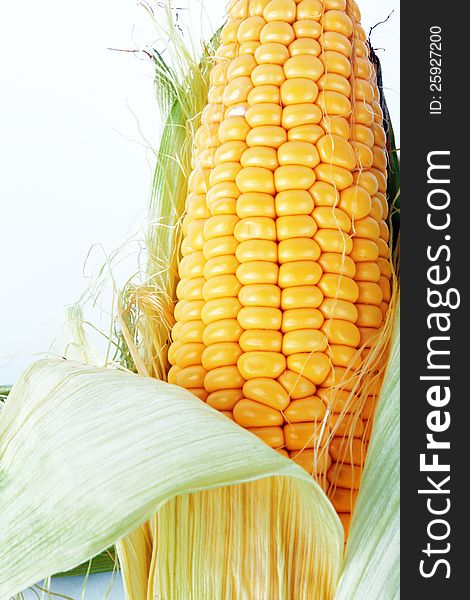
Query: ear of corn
x=285 y=275
x=265 y=242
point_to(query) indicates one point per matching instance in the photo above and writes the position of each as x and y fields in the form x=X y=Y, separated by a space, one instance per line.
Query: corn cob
x=285 y=272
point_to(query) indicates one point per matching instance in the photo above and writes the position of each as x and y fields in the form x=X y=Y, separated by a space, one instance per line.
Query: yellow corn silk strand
x=285 y=270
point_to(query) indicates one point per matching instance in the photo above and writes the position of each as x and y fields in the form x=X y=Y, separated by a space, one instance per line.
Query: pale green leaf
x=372 y=565
x=88 y=454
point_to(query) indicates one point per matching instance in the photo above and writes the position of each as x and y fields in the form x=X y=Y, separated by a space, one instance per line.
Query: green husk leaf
x=372 y=564
x=89 y=454
x=101 y=563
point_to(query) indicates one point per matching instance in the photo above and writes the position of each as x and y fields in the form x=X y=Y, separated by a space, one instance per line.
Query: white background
x=78 y=125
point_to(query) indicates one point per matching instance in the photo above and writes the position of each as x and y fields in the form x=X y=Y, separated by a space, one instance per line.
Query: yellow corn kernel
x=349 y=451
x=335 y=62
x=306 y=409
x=302 y=272
x=261 y=339
x=267 y=135
x=306 y=28
x=379 y=135
x=304 y=66
x=303 y=296
x=280 y=10
x=335 y=83
x=248 y=413
x=367 y=180
x=229 y=152
x=264 y=294
x=255 y=204
x=264 y=94
x=368 y=228
x=298 y=91
x=224 y=399
x=367 y=271
x=189 y=354
x=334 y=103
x=386 y=288
x=362 y=114
x=220 y=355
x=266 y=391
x=345 y=476
x=219 y=226
x=272 y=436
x=226 y=330
x=339 y=286
x=250 y=29
x=364 y=157
x=250 y=228
x=233 y=129
x=229 y=32
x=256 y=250
x=291 y=177
x=241 y=66
x=237 y=91
x=190 y=289
x=369 y=316
x=369 y=293
x=293 y=202
x=192 y=265
x=303 y=435
x=305 y=46
x=364 y=250
x=188 y=310
x=297 y=115
x=305 y=133
x=341 y=332
x=278 y=32
x=268 y=75
x=298 y=153
x=343 y=500
x=257 y=272
x=255 y=179
x=301 y=318
x=334 y=41
x=261 y=364
x=271 y=54
x=384 y=231
x=330 y=217
x=336 y=125
x=296 y=386
x=223 y=378
x=344 y=356
x=314 y=366
x=336 y=176
x=363 y=134
x=220 y=308
x=334 y=308
x=303 y=340
x=259 y=317
x=223 y=206
x=191 y=377
x=309 y=9
x=295 y=226
x=337 y=20
x=333 y=240
x=263 y=114
x=335 y=262
x=222 y=286
x=363 y=91
x=356 y=202
x=294 y=249
x=219 y=247
x=220 y=265
x=315 y=463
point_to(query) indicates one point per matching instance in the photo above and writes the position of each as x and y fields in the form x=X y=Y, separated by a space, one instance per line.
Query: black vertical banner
x=435 y=270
